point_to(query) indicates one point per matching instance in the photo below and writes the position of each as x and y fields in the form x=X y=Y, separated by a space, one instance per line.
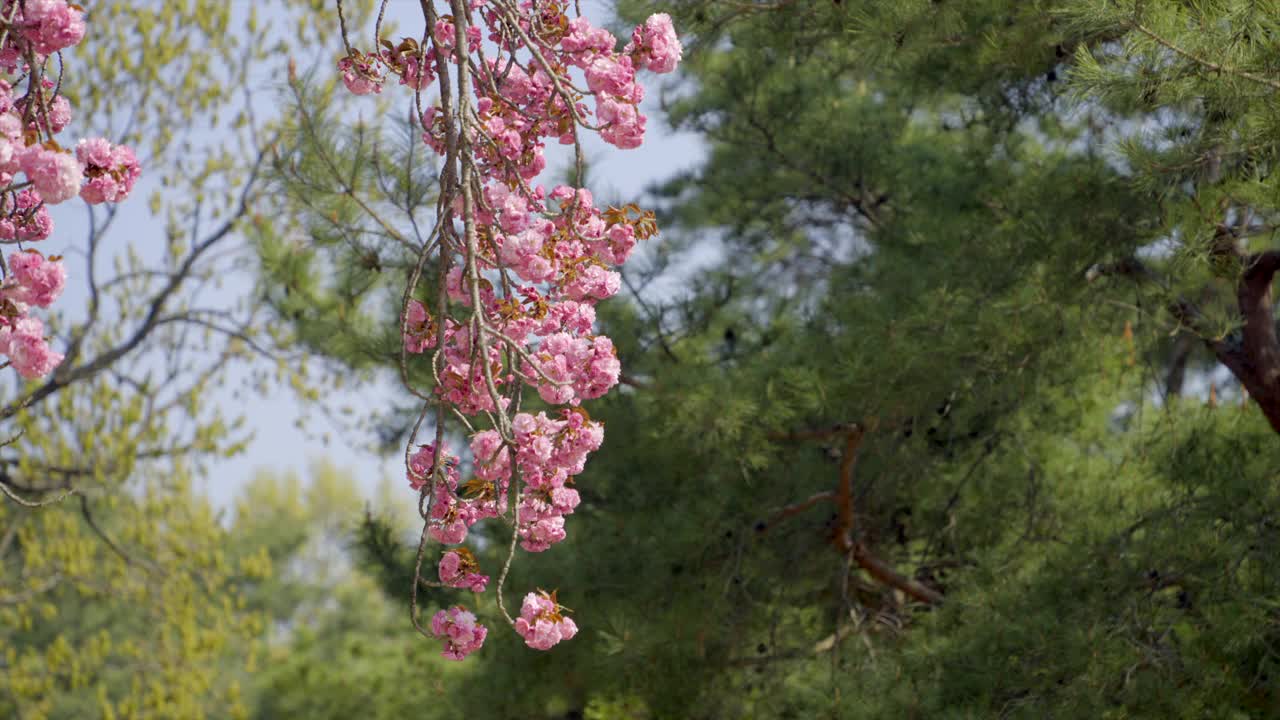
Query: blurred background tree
x=121 y=593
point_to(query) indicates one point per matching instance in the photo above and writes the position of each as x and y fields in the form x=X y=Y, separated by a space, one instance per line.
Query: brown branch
x=633 y=381
x=1255 y=360
x=844 y=533
x=1252 y=355
x=879 y=570
x=844 y=493
x=792 y=510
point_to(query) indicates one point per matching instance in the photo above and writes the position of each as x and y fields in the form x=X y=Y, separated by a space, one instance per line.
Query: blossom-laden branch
x=35 y=172
x=520 y=270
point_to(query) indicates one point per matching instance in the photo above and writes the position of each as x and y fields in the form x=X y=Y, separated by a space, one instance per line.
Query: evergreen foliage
x=992 y=241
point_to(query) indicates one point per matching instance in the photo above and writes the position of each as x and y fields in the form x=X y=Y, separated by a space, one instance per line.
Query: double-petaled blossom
x=23 y=216
x=51 y=114
x=34 y=279
x=542 y=622
x=654 y=44
x=419 y=331
x=362 y=74
x=461 y=633
x=458 y=568
x=23 y=342
x=49 y=25
x=56 y=175
x=110 y=170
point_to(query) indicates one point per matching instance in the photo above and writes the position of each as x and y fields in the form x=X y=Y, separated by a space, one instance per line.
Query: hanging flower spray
x=521 y=269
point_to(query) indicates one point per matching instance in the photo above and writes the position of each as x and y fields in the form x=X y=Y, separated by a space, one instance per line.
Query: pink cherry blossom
x=420 y=464
x=419 y=330
x=655 y=45
x=522 y=282
x=542 y=623
x=111 y=170
x=34 y=279
x=583 y=39
x=26 y=218
x=52 y=25
x=32 y=111
x=458 y=569
x=461 y=633
x=23 y=342
x=56 y=175
x=52 y=115
x=622 y=124
x=612 y=76
x=362 y=74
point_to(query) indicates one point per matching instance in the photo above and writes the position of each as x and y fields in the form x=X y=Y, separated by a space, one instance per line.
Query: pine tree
x=913 y=445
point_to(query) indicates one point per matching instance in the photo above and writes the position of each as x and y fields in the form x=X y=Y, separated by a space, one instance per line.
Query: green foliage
x=353 y=199
x=119 y=600
x=928 y=216
x=338 y=648
x=119 y=595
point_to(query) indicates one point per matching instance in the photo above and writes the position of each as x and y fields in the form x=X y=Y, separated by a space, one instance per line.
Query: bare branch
x=65 y=375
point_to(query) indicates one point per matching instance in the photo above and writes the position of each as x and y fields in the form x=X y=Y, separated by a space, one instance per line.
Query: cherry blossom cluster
x=35 y=171
x=459 y=569
x=522 y=266
x=542 y=623
x=462 y=634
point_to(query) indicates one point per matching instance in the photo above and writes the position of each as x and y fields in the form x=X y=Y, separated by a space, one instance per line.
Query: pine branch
x=1224 y=69
x=845 y=529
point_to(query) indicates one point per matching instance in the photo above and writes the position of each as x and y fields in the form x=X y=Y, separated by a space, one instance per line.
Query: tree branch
x=93 y=525
x=795 y=509
x=1256 y=359
x=845 y=532
x=1252 y=355
x=63 y=376
x=877 y=569
x=1226 y=70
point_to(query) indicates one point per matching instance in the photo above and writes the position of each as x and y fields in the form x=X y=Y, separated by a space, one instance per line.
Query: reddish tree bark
x=1254 y=356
